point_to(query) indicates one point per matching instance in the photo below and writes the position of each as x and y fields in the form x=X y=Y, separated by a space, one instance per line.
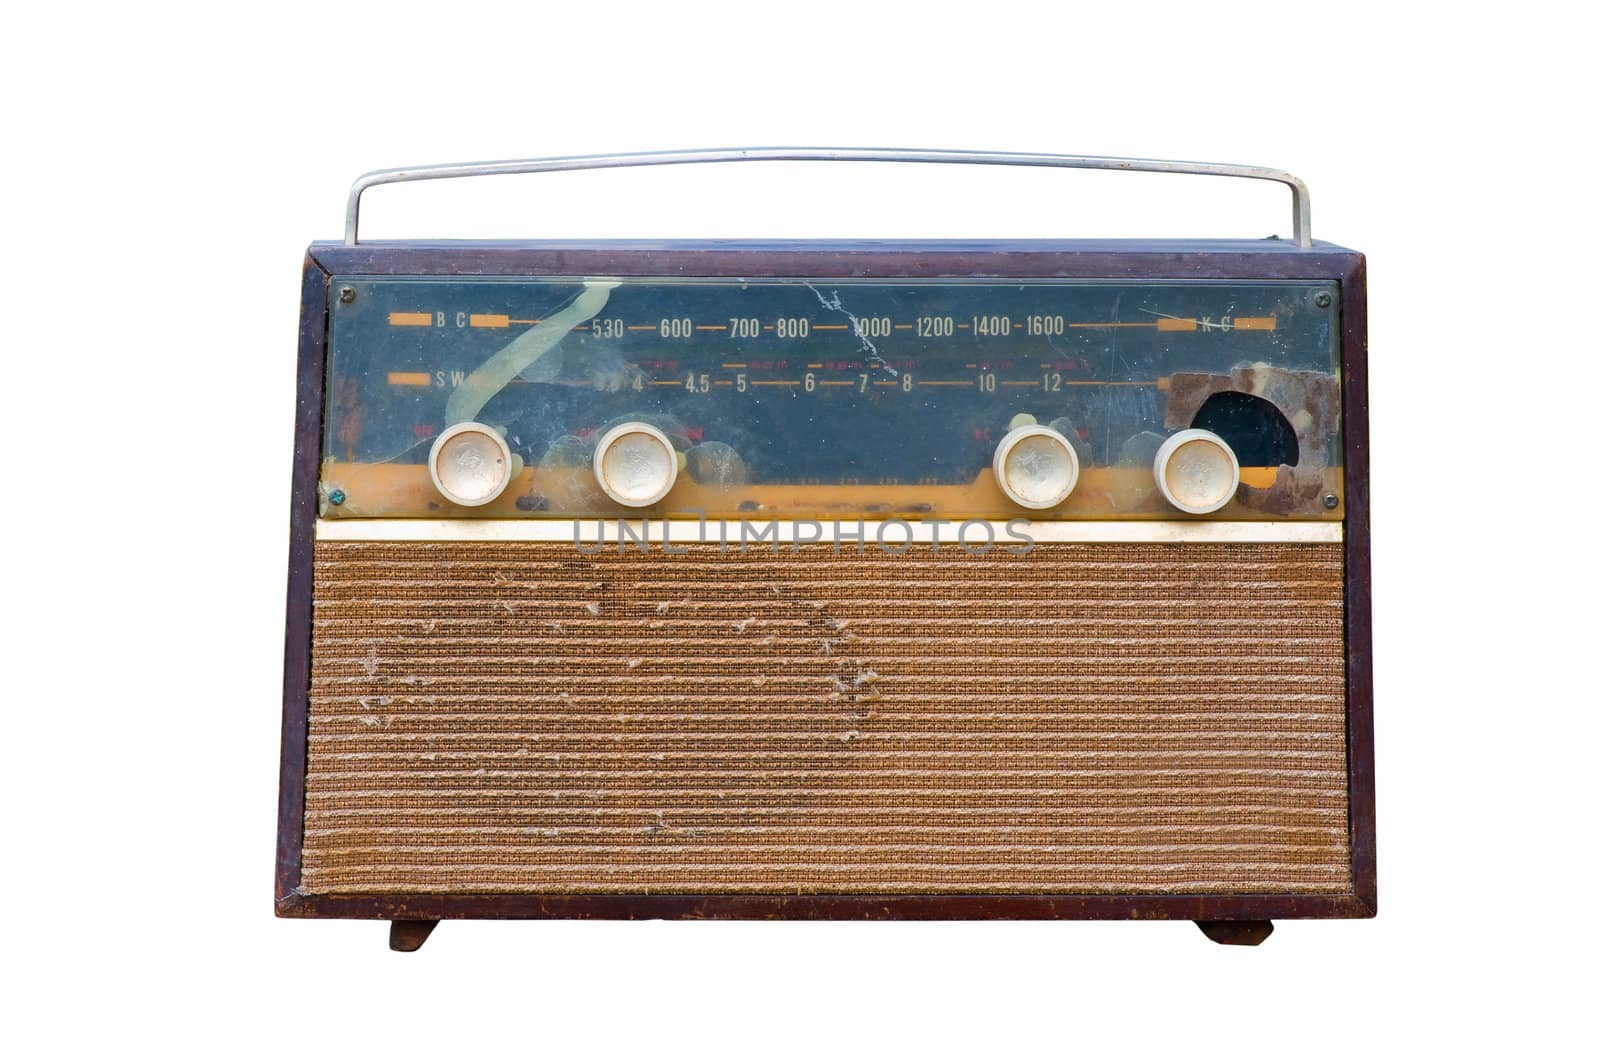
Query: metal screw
x=1322 y=299
x=1330 y=501
x=347 y=294
x=336 y=497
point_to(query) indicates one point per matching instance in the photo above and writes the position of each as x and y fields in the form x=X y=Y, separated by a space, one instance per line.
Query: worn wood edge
x=824 y=906
x=310 y=369
x=1156 y=261
x=1359 y=695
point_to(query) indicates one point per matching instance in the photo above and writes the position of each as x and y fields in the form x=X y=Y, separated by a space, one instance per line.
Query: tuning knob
x=470 y=464
x=1197 y=471
x=635 y=464
x=1035 y=466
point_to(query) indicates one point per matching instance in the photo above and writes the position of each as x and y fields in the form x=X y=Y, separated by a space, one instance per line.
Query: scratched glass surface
x=797 y=398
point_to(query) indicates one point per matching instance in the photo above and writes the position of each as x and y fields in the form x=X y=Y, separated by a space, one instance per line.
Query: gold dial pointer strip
x=1102 y=493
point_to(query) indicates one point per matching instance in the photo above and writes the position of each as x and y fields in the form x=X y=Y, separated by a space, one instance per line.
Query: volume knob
x=1197 y=471
x=1035 y=466
x=635 y=464
x=470 y=464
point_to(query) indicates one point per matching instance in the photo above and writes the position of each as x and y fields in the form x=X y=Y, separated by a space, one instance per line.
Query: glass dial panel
x=831 y=398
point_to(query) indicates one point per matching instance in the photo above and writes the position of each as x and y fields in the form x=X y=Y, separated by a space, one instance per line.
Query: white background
x=166 y=168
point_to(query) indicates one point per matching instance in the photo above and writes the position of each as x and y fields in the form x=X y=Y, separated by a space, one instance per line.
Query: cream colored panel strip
x=887 y=533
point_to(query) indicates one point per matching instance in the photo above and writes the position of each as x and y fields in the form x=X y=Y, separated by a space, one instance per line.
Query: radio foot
x=1235 y=931
x=407 y=935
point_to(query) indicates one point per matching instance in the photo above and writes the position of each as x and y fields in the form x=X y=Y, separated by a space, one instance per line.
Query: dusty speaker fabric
x=1085 y=718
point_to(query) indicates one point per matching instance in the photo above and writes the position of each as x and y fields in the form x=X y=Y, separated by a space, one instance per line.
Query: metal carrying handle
x=1300 y=200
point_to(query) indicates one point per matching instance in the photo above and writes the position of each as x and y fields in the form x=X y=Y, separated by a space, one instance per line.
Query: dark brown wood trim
x=1012 y=259
x=297 y=626
x=1358 y=587
x=825 y=906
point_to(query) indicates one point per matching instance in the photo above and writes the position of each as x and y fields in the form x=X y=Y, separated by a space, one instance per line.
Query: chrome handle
x=1300 y=196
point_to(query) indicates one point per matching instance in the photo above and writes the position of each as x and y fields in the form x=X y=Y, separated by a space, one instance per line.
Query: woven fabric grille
x=1085 y=718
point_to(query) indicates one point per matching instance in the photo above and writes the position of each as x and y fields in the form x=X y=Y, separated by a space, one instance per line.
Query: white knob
x=1035 y=466
x=1197 y=471
x=635 y=464
x=470 y=464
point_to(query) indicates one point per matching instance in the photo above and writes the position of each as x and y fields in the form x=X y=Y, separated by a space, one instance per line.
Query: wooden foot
x=407 y=935
x=1235 y=931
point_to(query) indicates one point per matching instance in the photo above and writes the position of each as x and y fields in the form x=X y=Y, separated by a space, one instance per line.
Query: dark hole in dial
x=1257 y=430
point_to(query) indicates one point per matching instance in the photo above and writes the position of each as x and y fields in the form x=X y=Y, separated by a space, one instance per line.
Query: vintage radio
x=877 y=580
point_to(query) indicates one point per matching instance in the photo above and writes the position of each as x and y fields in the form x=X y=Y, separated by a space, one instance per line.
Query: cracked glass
x=831 y=398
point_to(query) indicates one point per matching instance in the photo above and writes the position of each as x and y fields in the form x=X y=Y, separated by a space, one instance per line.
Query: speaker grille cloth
x=1086 y=718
